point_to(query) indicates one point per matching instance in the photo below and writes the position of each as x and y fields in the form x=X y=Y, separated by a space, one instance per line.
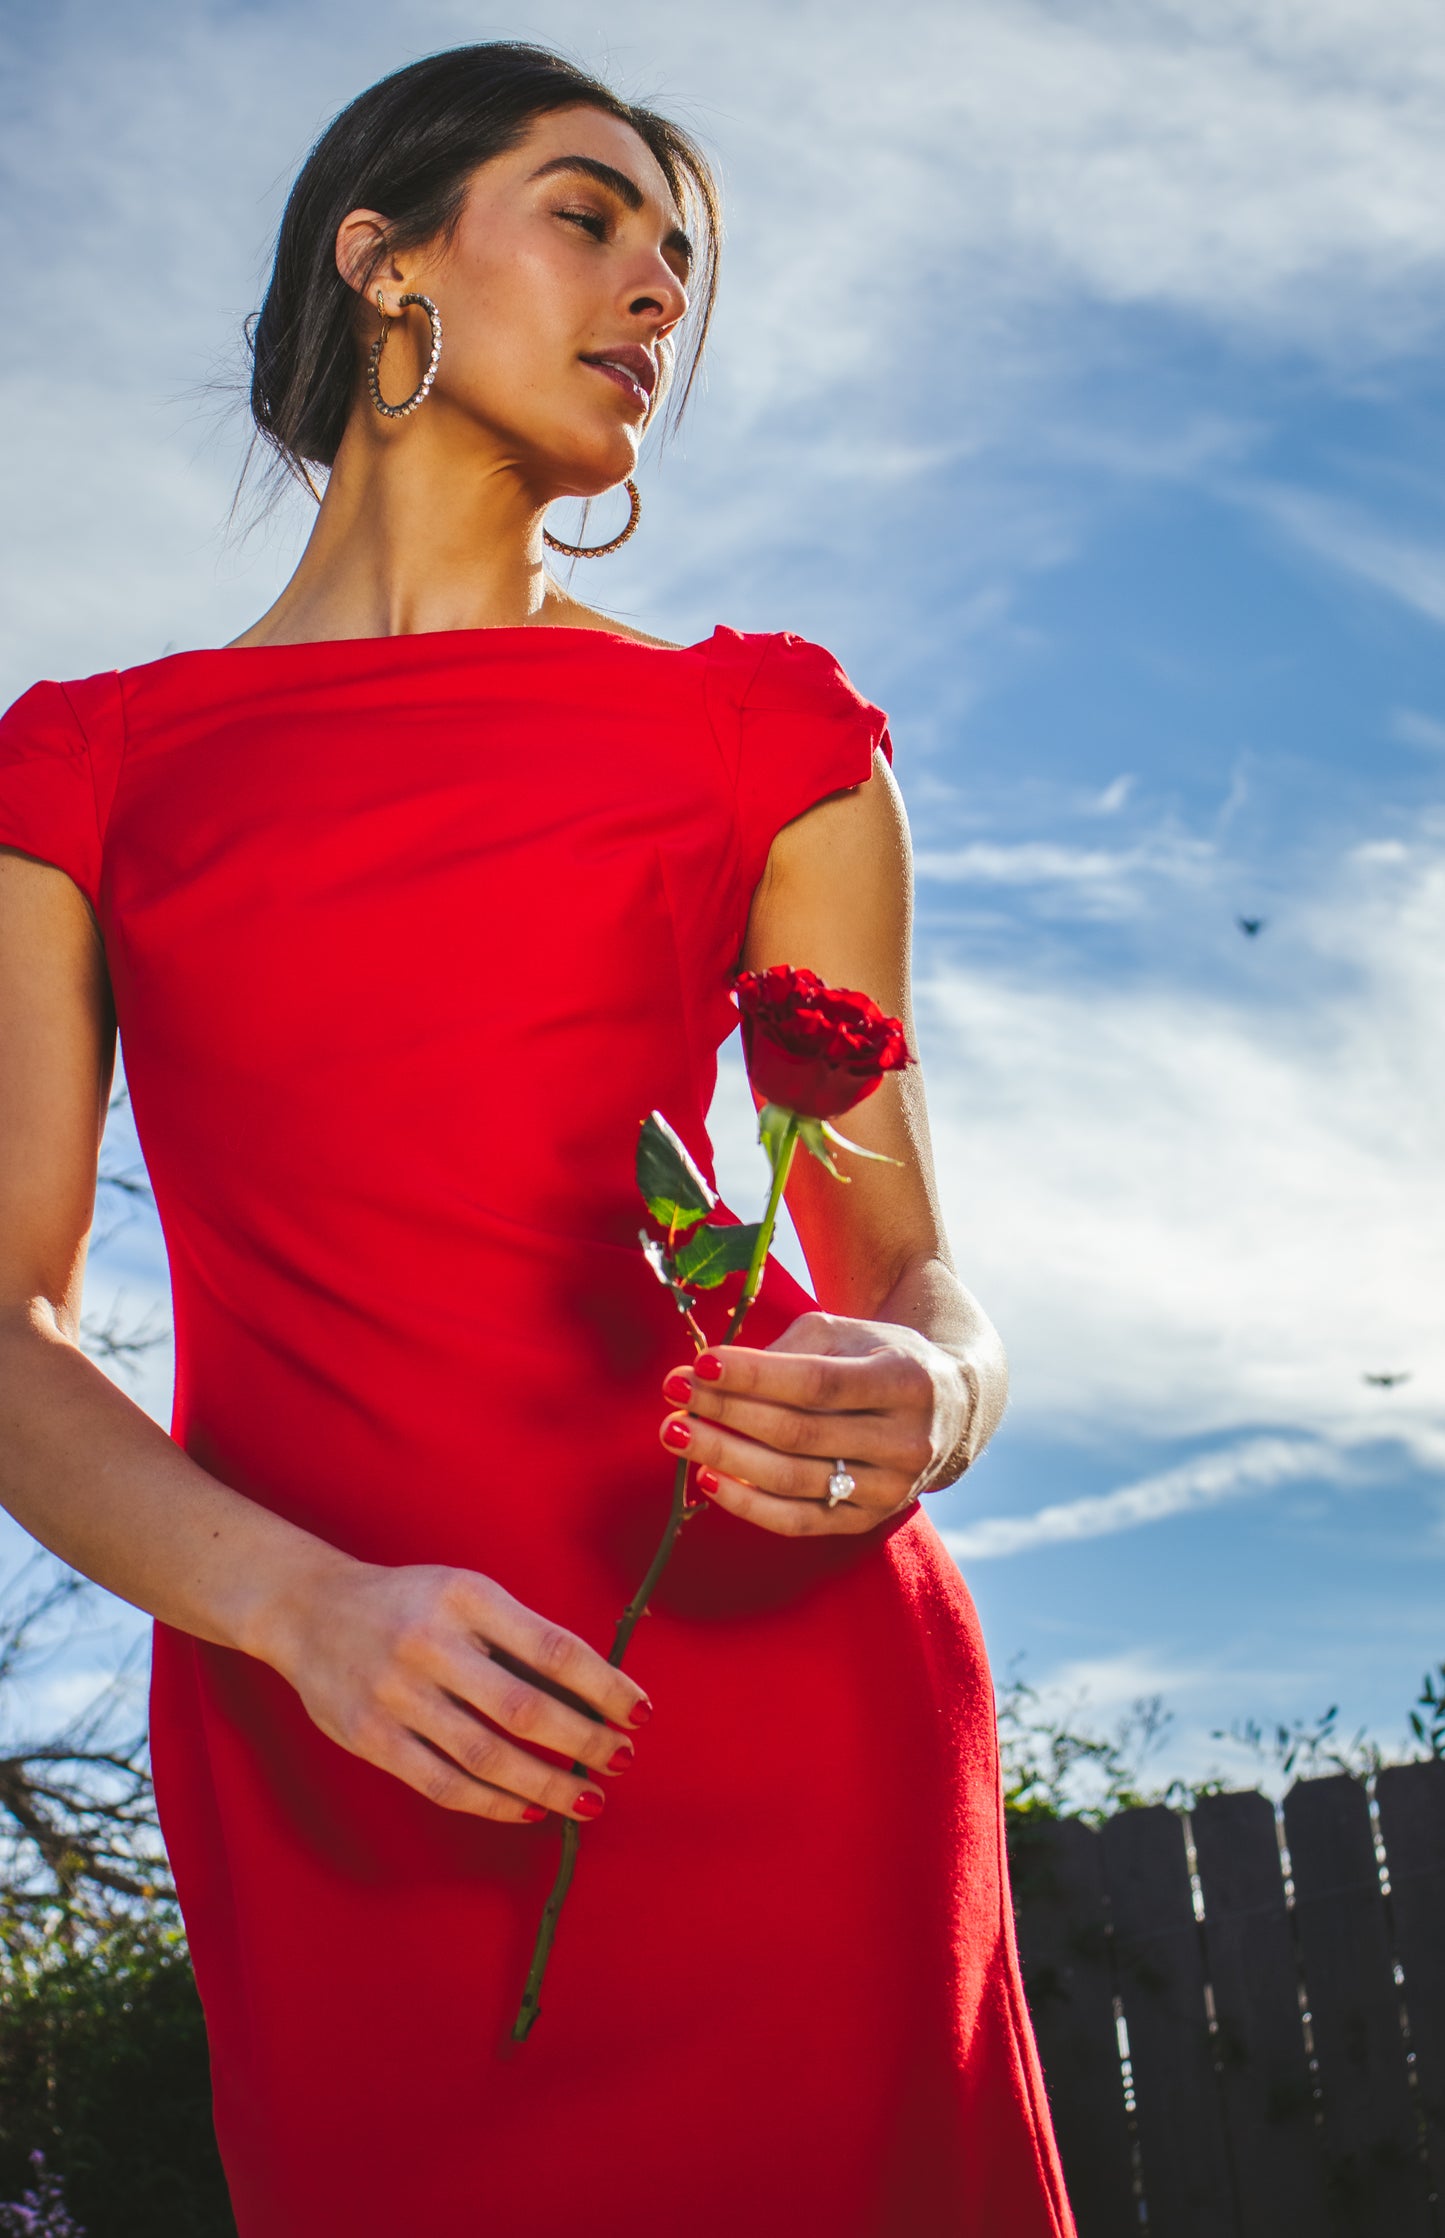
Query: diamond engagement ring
x=840 y=1484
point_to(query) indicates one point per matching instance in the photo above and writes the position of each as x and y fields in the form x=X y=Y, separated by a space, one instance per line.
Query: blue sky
x=1076 y=379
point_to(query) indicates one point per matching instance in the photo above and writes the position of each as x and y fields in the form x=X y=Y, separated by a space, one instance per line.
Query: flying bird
x=1251 y=925
x=1388 y=1382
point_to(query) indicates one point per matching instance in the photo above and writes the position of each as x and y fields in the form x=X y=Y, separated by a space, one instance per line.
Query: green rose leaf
x=879 y=1157
x=814 y=1134
x=676 y=1194
x=713 y=1253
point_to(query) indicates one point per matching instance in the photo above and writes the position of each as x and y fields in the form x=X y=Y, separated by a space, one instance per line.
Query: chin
x=595 y=480
x=582 y=469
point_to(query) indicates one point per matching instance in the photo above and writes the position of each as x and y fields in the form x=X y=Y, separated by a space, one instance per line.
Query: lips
x=630 y=366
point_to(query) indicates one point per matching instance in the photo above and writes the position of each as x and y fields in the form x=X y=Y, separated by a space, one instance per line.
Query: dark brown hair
x=407 y=147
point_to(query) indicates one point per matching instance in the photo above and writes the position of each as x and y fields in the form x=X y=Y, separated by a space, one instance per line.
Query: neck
x=412 y=536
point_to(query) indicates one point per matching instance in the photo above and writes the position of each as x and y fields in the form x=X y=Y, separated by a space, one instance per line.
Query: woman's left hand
x=767 y=1428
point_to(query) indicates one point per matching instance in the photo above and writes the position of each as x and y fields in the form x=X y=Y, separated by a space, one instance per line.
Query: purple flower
x=42 y=2213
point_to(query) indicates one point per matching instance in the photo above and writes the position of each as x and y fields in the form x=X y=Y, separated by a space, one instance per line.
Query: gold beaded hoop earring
x=600 y=551
x=422 y=390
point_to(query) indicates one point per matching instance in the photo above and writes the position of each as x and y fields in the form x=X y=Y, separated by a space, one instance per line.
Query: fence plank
x=1264 y=2071
x=1376 y=2181
x=1160 y=1972
x=1412 y=1821
x=1058 y=1878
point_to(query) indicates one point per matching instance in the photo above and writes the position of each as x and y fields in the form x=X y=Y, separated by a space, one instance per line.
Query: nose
x=661 y=296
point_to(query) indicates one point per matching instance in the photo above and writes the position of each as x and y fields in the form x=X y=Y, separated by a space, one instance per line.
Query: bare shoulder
x=571 y=614
x=837 y=891
x=860 y=832
x=640 y=637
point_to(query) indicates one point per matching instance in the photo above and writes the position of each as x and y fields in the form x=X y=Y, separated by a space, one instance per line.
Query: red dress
x=406 y=935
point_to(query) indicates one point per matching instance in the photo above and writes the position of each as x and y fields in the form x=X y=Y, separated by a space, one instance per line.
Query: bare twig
x=78 y=1830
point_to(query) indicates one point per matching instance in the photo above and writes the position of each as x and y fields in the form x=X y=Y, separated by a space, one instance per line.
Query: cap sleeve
x=47 y=791
x=802 y=731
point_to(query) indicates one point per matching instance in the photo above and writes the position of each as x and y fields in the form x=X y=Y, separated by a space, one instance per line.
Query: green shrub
x=103 y=2068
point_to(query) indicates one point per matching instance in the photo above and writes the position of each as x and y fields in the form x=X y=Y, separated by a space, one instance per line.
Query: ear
x=358 y=237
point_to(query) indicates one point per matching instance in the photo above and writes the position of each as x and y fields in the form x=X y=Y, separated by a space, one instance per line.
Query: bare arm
x=903 y=1375
x=377 y=1654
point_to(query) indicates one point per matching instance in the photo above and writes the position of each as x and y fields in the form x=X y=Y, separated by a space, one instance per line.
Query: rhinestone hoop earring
x=600 y=551
x=422 y=390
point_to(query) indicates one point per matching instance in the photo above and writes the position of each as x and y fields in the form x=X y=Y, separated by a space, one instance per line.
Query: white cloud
x=1203 y=1214
x=1254 y=1466
x=1098 y=881
x=1184 y=453
x=1258 y=1464
x=1192 y=1208
x=1414 y=729
x=1104 y=1686
x=1113 y=797
x=1407 y=568
x=929 y=210
x=1195 y=1210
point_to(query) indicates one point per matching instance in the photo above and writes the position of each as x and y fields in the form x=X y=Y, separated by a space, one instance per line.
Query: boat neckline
x=425 y=637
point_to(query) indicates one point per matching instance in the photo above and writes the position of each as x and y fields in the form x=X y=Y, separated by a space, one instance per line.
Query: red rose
x=813 y=1049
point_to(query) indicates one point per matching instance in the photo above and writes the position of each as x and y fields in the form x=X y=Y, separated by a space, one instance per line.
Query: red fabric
x=406 y=936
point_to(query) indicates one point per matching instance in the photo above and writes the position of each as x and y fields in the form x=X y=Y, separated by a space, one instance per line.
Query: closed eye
x=590 y=221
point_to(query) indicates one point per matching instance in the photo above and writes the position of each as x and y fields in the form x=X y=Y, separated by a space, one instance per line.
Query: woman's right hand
x=394 y=1664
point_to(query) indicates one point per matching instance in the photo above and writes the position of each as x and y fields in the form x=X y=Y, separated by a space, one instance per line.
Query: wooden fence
x=1242 y=2019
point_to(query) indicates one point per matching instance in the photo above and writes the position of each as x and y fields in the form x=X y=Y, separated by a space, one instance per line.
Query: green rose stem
x=531 y=1996
x=780 y=1151
x=781 y=1154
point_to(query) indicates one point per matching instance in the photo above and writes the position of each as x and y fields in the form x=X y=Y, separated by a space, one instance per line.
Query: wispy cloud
x=1101 y=1685
x=1257 y=1465
x=1195 y=448
x=971 y=242
x=1195 y=1214
x=979 y=187
x=1099 y=881
x=1416 y=729
x=1197 y=1205
x=1113 y=797
x=1408 y=568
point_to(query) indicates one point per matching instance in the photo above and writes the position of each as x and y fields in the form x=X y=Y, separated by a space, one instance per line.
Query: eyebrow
x=627 y=191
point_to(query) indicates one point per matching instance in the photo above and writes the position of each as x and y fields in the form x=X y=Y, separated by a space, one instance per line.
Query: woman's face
x=558 y=293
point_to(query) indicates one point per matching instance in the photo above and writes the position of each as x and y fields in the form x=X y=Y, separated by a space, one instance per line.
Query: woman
x=410 y=903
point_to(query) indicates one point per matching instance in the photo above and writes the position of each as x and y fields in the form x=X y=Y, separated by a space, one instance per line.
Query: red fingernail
x=590 y=1802
x=708 y=1366
x=677 y=1389
x=535 y=1811
x=705 y=1481
x=621 y=1758
x=677 y=1434
x=640 y=1712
